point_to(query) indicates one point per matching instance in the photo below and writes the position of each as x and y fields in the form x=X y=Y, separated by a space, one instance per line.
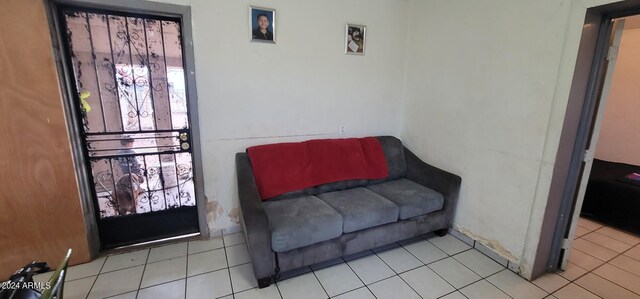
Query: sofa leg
x=264 y=282
x=441 y=232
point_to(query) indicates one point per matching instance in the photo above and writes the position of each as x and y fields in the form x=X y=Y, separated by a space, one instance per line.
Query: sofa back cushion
x=286 y=167
x=394 y=154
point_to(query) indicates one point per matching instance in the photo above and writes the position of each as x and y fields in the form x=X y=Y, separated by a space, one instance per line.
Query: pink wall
x=620 y=134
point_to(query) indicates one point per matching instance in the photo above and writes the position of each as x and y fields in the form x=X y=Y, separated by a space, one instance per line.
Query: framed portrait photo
x=355 y=39
x=262 y=24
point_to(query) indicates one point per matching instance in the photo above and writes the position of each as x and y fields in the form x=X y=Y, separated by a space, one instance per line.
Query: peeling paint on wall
x=234 y=215
x=489 y=243
x=214 y=210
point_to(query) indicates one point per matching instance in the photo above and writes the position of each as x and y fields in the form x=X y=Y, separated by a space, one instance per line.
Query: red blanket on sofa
x=285 y=167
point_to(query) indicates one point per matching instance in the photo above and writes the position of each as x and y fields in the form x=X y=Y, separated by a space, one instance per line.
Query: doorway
x=133 y=106
x=594 y=67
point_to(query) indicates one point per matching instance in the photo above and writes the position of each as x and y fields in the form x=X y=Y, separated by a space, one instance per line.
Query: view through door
x=133 y=111
x=604 y=192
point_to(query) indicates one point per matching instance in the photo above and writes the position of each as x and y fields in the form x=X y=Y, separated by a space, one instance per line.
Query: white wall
x=303 y=87
x=486 y=92
x=619 y=139
x=486 y=89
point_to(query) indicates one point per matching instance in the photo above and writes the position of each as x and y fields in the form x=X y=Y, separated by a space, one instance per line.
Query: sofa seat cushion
x=412 y=198
x=302 y=221
x=361 y=208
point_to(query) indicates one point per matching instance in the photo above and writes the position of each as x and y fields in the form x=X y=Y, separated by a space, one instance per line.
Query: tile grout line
x=427 y=265
x=358 y=276
x=228 y=267
x=186 y=270
x=320 y=282
x=612 y=265
x=592 y=271
x=501 y=290
x=394 y=271
x=96 y=279
x=143 y=271
x=474 y=272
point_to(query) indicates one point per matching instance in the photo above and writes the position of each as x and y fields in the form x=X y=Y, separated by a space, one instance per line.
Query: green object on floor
x=56 y=282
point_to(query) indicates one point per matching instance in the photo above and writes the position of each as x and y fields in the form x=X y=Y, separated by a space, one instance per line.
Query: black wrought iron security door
x=132 y=107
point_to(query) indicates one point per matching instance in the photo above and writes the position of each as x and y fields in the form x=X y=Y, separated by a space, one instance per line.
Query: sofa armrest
x=255 y=223
x=443 y=182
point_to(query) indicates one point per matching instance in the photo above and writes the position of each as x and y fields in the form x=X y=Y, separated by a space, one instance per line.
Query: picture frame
x=355 y=39
x=262 y=24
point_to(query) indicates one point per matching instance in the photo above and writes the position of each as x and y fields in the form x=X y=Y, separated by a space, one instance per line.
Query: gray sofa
x=325 y=222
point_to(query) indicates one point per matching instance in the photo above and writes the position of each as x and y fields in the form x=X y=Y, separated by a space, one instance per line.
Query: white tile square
x=573 y=291
x=483 y=290
x=78 y=288
x=393 y=288
x=572 y=272
x=551 y=282
x=233 y=239
x=361 y=293
x=584 y=260
x=449 y=244
x=205 y=245
x=425 y=251
x=170 y=290
x=371 y=269
x=237 y=255
x=619 y=277
x=125 y=260
x=210 y=285
x=117 y=282
x=91 y=268
x=167 y=252
x=607 y=242
x=206 y=261
x=427 y=283
x=270 y=292
x=399 y=259
x=242 y=278
x=516 y=286
x=303 y=286
x=164 y=271
x=338 y=279
x=619 y=235
x=478 y=262
x=454 y=272
x=604 y=288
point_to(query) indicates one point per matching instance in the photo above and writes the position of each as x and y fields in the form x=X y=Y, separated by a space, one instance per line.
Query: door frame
x=577 y=130
x=83 y=177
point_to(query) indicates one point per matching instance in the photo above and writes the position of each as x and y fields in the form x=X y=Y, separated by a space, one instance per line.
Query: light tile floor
x=605 y=263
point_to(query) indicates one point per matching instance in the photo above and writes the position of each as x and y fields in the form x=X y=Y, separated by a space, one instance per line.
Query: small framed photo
x=262 y=22
x=355 y=38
